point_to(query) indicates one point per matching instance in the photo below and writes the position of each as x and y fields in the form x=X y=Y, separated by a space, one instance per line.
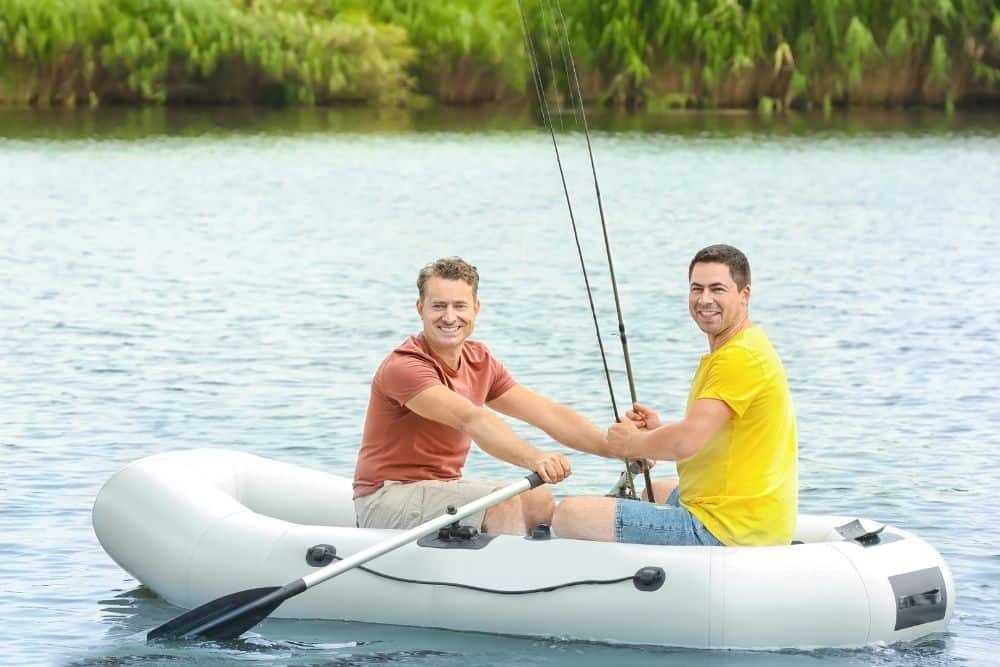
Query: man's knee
x=506 y=517
x=568 y=517
x=538 y=505
x=585 y=518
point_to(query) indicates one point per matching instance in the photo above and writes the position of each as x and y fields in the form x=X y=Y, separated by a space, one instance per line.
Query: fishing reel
x=625 y=486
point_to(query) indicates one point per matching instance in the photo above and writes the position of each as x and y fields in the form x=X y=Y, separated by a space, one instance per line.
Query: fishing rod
x=563 y=38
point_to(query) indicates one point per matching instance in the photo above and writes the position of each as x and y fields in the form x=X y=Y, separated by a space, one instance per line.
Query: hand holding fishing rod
x=644 y=417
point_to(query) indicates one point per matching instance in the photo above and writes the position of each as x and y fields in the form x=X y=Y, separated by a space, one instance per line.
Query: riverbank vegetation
x=765 y=54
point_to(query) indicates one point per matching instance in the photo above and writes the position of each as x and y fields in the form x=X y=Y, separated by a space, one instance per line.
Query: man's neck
x=714 y=343
x=451 y=356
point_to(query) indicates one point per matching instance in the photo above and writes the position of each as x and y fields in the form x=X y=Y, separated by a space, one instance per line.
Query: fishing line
x=564 y=49
x=607 y=246
x=563 y=38
x=540 y=91
x=552 y=70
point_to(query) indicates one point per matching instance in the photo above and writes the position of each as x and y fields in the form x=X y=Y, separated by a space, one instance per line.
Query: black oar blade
x=223 y=618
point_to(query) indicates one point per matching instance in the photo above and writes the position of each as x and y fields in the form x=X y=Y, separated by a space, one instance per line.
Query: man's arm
x=671 y=442
x=440 y=404
x=560 y=422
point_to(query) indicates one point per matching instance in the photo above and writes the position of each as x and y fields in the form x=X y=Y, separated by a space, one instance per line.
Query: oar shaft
x=415 y=533
x=231 y=615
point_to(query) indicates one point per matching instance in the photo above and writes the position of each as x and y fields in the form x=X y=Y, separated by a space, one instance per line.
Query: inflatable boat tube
x=195 y=525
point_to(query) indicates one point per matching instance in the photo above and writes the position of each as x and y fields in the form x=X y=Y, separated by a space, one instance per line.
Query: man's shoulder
x=739 y=350
x=412 y=344
x=407 y=354
x=411 y=348
x=405 y=371
x=751 y=348
x=476 y=350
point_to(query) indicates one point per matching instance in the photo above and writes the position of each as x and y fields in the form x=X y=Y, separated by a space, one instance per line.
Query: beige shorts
x=405 y=505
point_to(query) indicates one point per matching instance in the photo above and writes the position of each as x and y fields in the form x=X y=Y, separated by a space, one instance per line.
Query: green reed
x=798 y=52
x=765 y=54
x=150 y=51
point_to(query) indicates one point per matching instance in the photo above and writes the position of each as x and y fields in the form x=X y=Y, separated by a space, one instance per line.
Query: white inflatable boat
x=196 y=525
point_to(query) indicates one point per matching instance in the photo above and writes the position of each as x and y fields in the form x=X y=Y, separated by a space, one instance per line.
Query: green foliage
x=824 y=45
x=141 y=50
x=939 y=60
x=661 y=53
x=767 y=105
x=899 y=44
x=859 y=48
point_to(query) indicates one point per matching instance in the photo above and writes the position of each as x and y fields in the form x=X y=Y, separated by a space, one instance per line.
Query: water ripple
x=238 y=291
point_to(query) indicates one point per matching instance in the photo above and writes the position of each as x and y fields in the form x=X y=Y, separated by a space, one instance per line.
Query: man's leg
x=405 y=505
x=520 y=514
x=634 y=521
x=537 y=507
x=586 y=518
x=507 y=518
x=662 y=488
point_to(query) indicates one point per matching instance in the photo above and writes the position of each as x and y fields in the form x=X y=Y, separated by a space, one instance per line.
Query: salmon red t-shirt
x=400 y=445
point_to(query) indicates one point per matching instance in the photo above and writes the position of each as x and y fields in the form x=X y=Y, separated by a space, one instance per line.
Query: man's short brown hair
x=739 y=265
x=449 y=268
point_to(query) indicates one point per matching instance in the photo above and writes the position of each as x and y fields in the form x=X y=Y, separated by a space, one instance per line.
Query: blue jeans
x=641 y=522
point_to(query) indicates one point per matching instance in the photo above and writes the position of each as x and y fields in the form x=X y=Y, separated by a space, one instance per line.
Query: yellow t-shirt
x=743 y=485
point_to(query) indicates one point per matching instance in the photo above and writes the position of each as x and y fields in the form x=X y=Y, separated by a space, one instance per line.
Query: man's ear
x=746 y=295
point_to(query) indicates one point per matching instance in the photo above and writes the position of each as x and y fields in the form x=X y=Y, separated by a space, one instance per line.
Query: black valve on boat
x=649 y=578
x=541 y=532
x=321 y=554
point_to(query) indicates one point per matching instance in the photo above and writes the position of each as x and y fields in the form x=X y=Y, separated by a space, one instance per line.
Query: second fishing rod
x=576 y=99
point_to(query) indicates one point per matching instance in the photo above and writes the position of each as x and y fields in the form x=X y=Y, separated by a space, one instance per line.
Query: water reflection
x=236 y=288
x=135 y=124
x=132 y=613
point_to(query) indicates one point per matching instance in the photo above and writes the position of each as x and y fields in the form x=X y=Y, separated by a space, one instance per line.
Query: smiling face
x=717 y=305
x=448 y=310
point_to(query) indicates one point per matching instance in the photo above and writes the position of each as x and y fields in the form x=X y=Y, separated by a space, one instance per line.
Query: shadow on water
x=118 y=123
x=129 y=615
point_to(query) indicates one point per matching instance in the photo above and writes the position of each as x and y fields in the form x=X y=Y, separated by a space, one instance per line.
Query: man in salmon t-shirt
x=426 y=407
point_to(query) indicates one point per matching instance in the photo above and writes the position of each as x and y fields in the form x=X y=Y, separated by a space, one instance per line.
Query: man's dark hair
x=449 y=268
x=739 y=265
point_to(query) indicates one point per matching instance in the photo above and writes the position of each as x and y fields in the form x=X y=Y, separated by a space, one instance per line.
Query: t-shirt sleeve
x=735 y=378
x=405 y=375
x=503 y=381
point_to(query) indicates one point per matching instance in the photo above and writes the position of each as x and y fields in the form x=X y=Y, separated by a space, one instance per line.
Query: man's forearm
x=497 y=439
x=575 y=431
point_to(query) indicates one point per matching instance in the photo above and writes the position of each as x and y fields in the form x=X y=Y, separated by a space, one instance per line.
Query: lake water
x=232 y=278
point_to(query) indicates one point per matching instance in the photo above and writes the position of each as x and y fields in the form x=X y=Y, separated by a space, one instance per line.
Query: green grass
x=765 y=54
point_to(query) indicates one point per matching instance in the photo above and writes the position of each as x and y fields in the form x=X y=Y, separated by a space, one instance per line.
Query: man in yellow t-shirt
x=735 y=449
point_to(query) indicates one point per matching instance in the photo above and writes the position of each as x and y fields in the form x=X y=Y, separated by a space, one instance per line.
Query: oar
x=230 y=616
